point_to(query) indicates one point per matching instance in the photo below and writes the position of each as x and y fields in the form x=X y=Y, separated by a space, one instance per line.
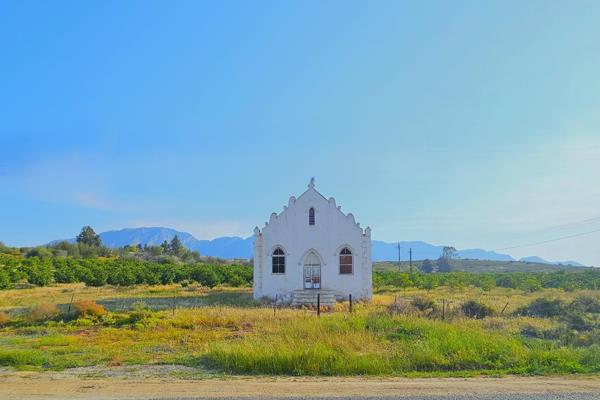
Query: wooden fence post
x=318 y=304
x=504 y=309
x=71 y=302
x=350 y=300
x=443 y=309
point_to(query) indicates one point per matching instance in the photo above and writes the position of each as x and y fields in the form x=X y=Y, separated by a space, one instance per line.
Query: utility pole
x=398 y=256
x=410 y=255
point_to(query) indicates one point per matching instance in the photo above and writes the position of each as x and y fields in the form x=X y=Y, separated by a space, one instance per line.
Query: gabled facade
x=312 y=245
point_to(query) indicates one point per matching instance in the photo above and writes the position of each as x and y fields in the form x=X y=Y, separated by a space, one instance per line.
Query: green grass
x=231 y=335
x=384 y=345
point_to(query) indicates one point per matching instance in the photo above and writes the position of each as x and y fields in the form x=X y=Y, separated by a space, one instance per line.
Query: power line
x=549 y=240
x=568 y=224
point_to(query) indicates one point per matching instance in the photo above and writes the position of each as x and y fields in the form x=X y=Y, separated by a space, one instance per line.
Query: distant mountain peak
x=237 y=247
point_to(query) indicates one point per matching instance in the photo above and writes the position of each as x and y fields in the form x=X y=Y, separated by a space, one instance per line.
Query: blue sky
x=475 y=124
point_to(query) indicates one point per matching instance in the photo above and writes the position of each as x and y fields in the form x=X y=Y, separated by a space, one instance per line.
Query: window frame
x=279 y=267
x=312 y=219
x=345 y=252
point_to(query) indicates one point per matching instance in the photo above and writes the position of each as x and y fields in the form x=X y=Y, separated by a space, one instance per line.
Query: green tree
x=426 y=266
x=165 y=247
x=443 y=264
x=89 y=237
x=176 y=247
x=448 y=252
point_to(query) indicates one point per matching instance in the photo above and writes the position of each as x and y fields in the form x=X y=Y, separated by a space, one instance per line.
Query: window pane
x=345 y=269
x=278 y=264
x=345 y=259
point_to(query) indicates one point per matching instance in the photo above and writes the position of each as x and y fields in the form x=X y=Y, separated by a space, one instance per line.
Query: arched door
x=312 y=271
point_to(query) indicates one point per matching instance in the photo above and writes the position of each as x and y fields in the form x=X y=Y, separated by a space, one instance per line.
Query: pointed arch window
x=278 y=261
x=311 y=216
x=346 y=261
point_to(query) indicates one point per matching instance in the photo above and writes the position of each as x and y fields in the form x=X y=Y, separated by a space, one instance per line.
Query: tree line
x=526 y=281
x=116 y=271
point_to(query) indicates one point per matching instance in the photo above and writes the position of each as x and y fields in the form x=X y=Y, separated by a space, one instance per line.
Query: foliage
x=43 y=312
x=448 y=252
x=525 y=281
x=88 y=237
x=117 y=271
x=426 y=267
x=88 y=308
x=5 y=281
x=443 y=265
x=422 y=303
x=4 y=318
x=38 y=271
x=542 y=308
x=477 y=310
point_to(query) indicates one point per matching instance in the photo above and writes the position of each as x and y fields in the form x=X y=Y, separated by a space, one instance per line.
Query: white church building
x=312 y=247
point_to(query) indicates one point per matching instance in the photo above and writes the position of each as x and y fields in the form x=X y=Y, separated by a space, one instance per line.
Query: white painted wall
x=332 y=231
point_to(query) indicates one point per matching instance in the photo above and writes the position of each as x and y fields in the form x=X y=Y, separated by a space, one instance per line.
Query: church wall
x=332 y=230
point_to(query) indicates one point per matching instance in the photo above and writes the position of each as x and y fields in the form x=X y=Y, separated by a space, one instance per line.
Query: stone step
x=309 y=298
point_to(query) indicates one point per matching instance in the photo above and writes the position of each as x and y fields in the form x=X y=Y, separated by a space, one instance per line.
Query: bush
x=477 y=310
x=542 y=308
x=205 y=275
x=4 y=279
x=97 y=275
x=88 y=308
x=585 y=304
x=4 y=318
x=424 y=304
x=402 y=307
x=43 y=312
x=39 y=272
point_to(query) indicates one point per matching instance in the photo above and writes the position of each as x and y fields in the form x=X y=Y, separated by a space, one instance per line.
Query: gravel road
x=513 y=396
x=183 y=383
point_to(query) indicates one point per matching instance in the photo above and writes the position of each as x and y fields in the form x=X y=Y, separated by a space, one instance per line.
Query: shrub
x=38 y=272
x=402 y=307
x=88 y=308
x=475 y=309
x=542 y=308
x=139 y=313
x=4 y=318
x=205 y=275
x=43 y=312
x=4 y=279
x=585 y=304
x=424 y=304
x=532 y=332
x=97 y=275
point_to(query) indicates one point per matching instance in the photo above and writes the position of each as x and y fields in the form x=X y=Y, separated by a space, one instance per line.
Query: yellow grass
x=254 y=339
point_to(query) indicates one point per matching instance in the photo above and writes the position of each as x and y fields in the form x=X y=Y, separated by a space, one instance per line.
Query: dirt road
x=162 y=382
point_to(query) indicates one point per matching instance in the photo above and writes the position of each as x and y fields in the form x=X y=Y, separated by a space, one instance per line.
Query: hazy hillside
x=383 y=251
x=237 y=247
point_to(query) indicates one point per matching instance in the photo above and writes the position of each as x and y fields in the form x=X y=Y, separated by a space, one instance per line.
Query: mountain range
x=237 y=247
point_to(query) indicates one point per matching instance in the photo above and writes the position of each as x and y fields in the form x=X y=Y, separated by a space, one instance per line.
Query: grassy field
x=221 y=331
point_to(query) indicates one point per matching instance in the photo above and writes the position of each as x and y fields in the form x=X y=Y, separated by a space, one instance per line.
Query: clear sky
x=474 y=124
